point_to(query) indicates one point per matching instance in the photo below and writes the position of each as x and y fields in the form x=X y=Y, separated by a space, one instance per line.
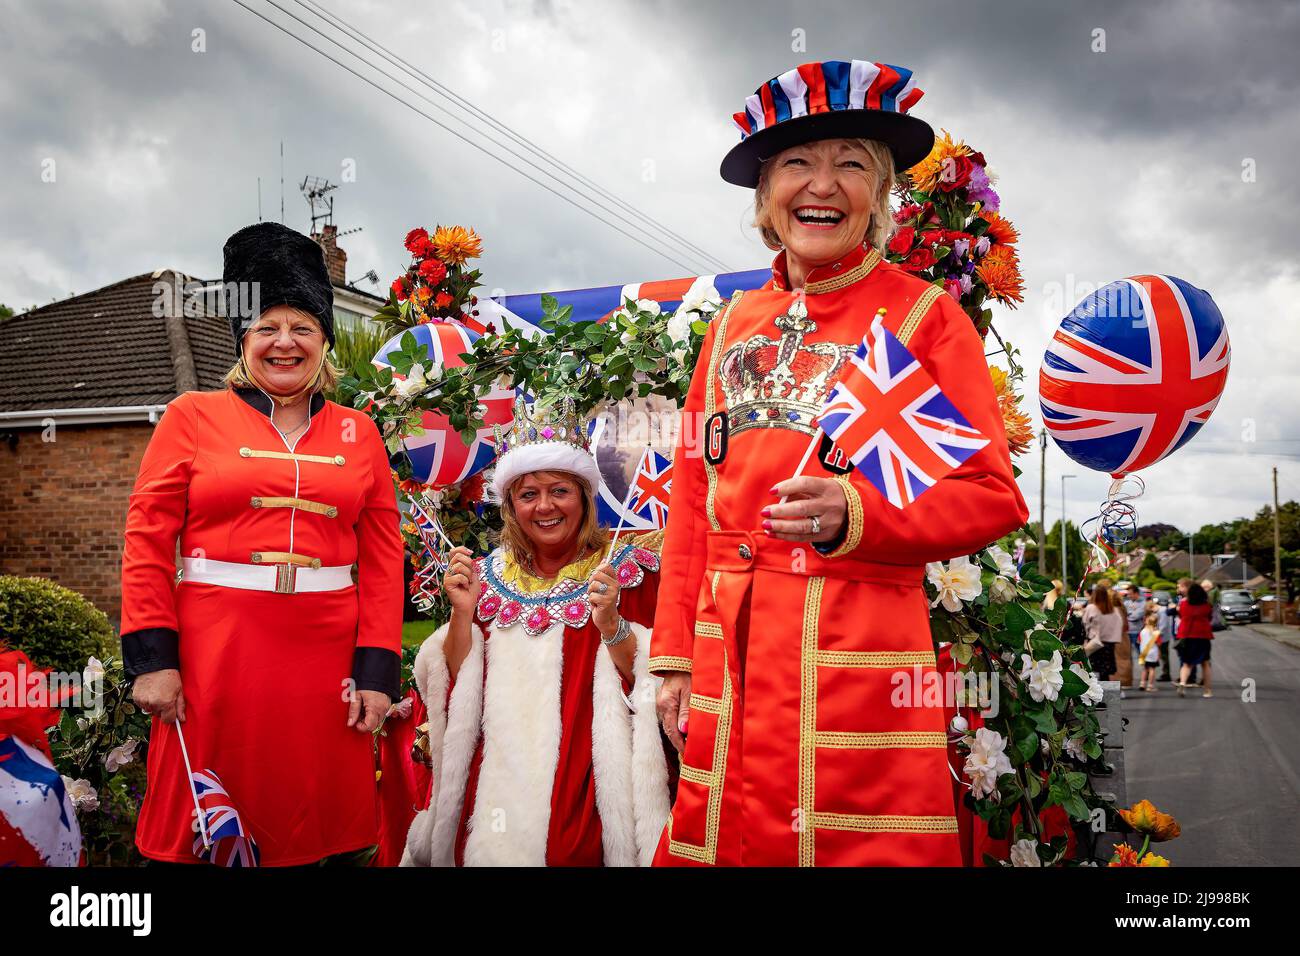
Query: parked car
x=1239 y=607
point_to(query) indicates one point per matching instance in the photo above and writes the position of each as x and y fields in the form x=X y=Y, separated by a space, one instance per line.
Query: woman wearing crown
x=543 y=735
x=790 y=606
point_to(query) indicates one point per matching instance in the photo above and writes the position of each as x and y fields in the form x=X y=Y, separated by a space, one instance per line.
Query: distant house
x=1224 y=570
x=85 y=380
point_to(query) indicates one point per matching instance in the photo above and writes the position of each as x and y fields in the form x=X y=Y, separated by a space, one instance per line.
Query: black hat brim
x=909 y=139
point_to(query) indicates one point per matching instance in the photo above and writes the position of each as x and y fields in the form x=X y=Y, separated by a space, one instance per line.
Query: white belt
x=286 y=579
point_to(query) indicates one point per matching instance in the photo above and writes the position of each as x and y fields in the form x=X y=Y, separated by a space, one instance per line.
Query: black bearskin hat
x=269 y=264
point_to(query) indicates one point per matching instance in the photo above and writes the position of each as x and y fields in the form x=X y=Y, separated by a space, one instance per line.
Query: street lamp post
x=1191 y=555
x=1065 y=576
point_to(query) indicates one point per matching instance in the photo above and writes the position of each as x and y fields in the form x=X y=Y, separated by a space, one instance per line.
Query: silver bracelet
x=621 y=633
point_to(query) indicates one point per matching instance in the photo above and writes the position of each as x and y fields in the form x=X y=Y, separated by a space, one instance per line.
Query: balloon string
x=1115 y=523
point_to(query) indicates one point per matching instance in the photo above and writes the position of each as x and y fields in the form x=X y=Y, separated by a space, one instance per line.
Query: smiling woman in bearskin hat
x=788 y=605
x=261 y=651
x=543 y=737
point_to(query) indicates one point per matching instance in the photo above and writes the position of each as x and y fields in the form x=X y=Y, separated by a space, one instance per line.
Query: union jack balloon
x=1134 y=372
x=440 y=457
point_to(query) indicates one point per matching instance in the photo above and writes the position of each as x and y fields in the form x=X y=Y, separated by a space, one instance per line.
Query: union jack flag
x=230 y=843
x=891 y=419
x=653 y=482
x=1134 y=372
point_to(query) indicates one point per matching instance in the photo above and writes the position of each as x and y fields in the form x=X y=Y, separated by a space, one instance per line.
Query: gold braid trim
x=706 y=705
x=808 y=719
x=886 y=740
x=888 y=823
x=853 y=537
x=669 y=663
x=696 y=775
x=875 y=659
x=302 y=504
x=247 y=452
x=857 y=273
x=917 y=312
x=708 y=629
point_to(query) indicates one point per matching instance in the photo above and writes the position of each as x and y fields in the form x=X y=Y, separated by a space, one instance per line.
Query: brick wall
x=63 y=506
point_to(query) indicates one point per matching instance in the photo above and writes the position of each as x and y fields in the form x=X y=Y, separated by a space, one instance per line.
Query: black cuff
x=150 y=649
x=377 y=668
x=829 y=547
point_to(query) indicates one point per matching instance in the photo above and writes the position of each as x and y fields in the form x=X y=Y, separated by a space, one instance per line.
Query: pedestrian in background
x=1166 y=621
x=1195 y=633
x=1103 y=622
x=1149 y=653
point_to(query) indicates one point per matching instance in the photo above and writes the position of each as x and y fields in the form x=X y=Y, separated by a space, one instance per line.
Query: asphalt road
x=1228 y=769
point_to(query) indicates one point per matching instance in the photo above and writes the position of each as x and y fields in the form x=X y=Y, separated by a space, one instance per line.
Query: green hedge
x=55 y=627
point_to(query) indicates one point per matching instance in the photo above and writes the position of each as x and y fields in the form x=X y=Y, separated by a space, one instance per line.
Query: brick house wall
x=63 y=506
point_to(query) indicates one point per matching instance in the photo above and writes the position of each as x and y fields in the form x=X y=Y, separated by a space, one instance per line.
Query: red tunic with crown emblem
x=794 y=753
x=264 y=674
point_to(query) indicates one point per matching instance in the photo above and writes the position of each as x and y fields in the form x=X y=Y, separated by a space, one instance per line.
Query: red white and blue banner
x=38 y=824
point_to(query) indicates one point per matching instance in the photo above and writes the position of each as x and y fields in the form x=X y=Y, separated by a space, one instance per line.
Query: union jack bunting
x=891 y=419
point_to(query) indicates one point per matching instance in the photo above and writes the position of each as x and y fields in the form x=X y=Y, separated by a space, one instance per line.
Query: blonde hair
x=879 y=226
x=511 y=537
x=326 y=378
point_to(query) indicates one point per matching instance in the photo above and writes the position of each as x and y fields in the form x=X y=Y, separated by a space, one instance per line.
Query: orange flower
x=1000 y=230
x=411 y=486
x=1019 y=427
x=925 y=174
x=1151 y=859
x=1000 y=271
x=454 y=244
x=1144 y=818
x=1125 y=855
x=423 y=294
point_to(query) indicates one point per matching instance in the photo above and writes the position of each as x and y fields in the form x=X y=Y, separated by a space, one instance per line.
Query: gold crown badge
x=538 y=425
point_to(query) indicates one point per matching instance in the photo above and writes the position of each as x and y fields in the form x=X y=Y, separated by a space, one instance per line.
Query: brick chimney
x=336 y=260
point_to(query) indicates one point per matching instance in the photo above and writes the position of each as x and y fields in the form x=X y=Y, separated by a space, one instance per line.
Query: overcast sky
x=1110 y=163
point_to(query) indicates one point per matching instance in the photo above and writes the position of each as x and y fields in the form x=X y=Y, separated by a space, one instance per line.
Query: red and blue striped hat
x=829 y=100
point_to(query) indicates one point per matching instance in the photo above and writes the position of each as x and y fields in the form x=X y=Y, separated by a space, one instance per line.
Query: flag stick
x=804 y=460
x=189 y=777
x=627 y=500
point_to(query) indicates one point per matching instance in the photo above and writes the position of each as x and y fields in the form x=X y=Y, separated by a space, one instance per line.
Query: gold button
x=744 y=552
x=257 y=557
x=338 y=459
x=256 y=502
x=332 y=512
x=245 y=452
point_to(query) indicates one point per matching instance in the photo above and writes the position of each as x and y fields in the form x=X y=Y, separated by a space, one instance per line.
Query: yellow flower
x=1000 y=271
x=454 y=244
x=1019 y=427
x=925 y=174
x=1143 y=817
x=1151 y=859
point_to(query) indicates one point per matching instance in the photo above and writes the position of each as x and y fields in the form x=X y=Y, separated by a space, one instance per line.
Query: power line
x=691 y=269
x=465 y=105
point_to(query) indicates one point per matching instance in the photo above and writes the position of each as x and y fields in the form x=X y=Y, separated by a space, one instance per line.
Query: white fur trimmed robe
x=517 y=713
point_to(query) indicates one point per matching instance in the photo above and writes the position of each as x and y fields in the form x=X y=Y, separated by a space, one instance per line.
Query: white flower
x=415 y=382
x=679 y=326
x=1024 y=853
x=987 y=761
x=1005 y=564
x=1002 y=591
x=959 y=581
x=83 y=795
x=434 y=497
x=1045 y=746
x=82 y=723
x=94 y=671
x=1074 y=749
x=648 y=305
x=701 y=297
x=1044 y=677
x=121 y=755
x=1094 y=693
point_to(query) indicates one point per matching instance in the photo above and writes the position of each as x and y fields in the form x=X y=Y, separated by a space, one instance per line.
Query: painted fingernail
x=682 y=727
x=767 y=512
x=772 y=490
x=767 y=525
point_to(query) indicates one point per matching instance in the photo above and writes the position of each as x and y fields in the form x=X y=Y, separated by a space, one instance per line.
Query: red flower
x=399 y=289
x=417 y=243
x=932 y=237
x=953 y=288
x=442 y=301
x=920 y=260
x=901 y=243
x=432 y=271
x=471 y=491
x=955 y=173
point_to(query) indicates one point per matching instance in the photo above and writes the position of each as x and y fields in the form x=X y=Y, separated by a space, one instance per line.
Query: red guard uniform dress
x=794 y=754
x=264 y=672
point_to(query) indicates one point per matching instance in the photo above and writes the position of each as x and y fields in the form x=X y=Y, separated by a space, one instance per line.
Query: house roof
x=110 y=348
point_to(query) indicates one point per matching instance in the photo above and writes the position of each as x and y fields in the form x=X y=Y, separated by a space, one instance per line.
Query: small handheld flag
x=892 y=420
x=228 y=842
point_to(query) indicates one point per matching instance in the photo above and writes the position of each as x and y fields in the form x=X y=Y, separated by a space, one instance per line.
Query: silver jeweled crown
x=535 y=425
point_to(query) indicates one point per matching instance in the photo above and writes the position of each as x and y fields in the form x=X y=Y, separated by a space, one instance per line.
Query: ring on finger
x=816 y=523
x=602 y=587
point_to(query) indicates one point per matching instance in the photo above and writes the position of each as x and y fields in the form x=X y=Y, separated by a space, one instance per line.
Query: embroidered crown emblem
x=538 y=424
x=780 y=382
